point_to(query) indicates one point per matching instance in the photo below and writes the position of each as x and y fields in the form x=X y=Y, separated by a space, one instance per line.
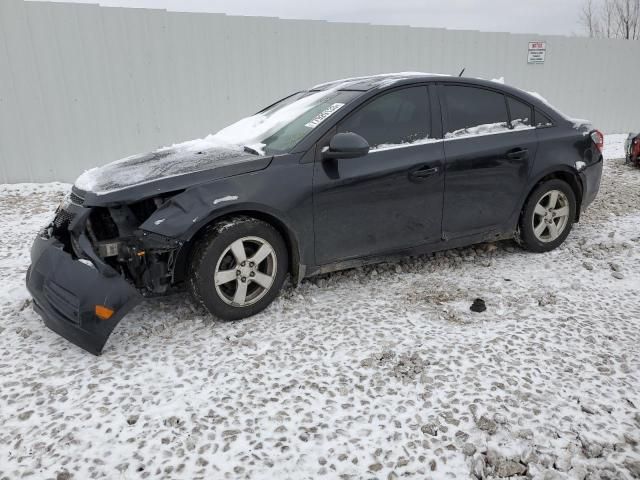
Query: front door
x=391 y=198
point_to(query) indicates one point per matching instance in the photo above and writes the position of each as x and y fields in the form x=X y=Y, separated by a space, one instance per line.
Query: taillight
x=636 y=147
x=598 y=139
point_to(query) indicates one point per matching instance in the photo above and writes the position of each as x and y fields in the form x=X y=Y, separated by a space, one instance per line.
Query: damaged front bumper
x=66 y=292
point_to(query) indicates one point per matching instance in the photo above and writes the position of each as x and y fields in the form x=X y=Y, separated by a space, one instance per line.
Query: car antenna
x=462 y=71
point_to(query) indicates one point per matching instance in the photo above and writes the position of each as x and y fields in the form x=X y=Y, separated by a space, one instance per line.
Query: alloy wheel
x=551 y=216
x=245 y=271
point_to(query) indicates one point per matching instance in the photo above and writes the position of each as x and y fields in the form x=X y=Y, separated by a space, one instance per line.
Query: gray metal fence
x=81 y=85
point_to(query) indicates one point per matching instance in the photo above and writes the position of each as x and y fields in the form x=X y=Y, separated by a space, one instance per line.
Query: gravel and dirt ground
x=379 y=372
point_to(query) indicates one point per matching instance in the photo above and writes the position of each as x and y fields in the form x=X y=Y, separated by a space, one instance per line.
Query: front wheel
x=238 y=267
x=548 y=216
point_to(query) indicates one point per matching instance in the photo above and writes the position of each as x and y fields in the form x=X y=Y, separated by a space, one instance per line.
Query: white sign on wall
x=537 y=52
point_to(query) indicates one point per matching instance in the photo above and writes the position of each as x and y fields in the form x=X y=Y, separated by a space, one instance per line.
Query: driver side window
x=401 y=117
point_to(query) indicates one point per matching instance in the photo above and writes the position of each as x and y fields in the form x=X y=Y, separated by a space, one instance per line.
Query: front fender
x=182 y=218
x=184 y=215
x=185 y=212
x=280 y=195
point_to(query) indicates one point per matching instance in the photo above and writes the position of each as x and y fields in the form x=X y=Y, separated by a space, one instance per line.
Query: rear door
x=490 y=145
x=389 y=199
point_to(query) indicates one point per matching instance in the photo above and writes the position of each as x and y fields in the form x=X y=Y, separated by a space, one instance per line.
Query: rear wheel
x=548 y=216
x=238 y=267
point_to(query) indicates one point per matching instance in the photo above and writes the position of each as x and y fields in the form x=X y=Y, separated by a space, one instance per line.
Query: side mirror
x=346 y=145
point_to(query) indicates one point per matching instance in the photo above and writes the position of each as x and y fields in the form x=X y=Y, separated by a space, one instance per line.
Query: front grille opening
x=75 y=198
x=62 y=219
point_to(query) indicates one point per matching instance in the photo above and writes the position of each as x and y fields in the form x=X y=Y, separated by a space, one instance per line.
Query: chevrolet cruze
x=348 y=172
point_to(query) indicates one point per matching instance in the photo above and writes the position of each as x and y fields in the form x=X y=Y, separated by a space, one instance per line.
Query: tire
x=219 y=280
x=537 y=231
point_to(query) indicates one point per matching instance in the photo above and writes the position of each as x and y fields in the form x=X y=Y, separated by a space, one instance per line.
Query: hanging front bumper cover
x=66 y=292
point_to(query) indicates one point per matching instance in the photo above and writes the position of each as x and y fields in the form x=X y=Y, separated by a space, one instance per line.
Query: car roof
x=384 y=80
x=369 y=82
x=380 y=81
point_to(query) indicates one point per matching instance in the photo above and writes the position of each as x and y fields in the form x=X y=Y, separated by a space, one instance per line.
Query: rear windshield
x=280 y=127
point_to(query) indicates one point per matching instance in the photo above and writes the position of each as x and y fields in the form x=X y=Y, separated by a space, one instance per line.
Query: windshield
x=280 y=127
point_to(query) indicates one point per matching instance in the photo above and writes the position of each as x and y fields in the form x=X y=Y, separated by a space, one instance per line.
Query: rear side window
x=521 y=116
x=474 y=111
x=541 y=120
x=400 y=117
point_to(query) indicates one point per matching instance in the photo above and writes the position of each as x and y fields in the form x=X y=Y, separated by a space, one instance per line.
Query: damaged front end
x=91 y=265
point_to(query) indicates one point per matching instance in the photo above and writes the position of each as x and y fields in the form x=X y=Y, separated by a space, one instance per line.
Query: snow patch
x=486 y=129
x=379 y=80
x=390 y=146
x=179 y=159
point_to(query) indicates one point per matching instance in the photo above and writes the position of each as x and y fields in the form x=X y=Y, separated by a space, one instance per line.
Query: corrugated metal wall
x=81 y=85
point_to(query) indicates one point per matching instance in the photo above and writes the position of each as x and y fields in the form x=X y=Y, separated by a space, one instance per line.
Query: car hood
x=164 y=170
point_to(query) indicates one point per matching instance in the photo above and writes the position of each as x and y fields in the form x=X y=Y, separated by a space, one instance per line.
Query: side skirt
x=410 y=252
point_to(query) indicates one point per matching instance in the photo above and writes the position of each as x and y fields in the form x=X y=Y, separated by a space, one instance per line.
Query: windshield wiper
x=251 y=150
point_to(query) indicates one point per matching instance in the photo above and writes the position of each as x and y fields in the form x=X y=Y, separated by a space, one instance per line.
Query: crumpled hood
x=166 y=169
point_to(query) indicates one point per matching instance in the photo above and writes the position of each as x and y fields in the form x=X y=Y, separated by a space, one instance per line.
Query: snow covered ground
x=379 y=372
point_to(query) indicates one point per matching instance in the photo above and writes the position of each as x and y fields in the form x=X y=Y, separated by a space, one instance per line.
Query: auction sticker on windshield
x=327 y=112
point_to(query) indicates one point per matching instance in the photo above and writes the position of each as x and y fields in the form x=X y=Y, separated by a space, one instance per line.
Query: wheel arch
x=569 y=176
x=288 y=235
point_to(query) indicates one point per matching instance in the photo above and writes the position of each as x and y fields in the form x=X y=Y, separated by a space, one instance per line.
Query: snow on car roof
x=368 y=82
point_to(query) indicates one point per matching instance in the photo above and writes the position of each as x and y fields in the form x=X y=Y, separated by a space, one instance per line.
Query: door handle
x=423 y=172
x=518 y=154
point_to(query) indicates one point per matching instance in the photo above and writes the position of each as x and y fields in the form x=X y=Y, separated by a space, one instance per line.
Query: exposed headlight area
x=59 y=227
x=116 y=239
